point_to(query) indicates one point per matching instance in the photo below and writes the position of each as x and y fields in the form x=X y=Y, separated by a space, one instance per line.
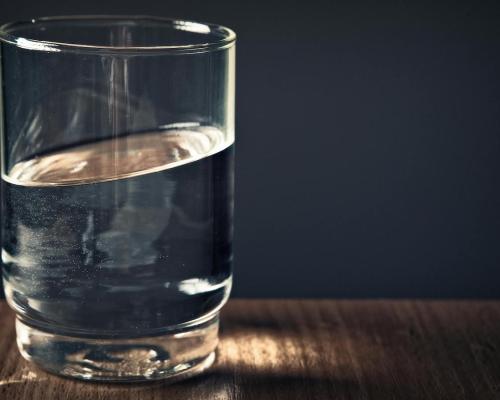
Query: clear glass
x=117 y=192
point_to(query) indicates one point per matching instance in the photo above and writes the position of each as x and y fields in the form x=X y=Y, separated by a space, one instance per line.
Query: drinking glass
x=117 y=191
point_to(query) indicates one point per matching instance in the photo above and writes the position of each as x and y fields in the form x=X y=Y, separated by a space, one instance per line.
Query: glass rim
x=226 y=38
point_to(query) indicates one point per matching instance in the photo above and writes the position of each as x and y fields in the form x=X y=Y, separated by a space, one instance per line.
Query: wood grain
x=327 y=349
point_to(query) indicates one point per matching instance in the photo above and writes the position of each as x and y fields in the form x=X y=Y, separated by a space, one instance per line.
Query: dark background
x=368 y=142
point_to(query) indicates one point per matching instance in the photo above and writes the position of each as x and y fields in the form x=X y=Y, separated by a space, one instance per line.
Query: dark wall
x=368 y=150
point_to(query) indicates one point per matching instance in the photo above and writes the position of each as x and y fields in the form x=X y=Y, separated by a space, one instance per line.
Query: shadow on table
x=213 y=385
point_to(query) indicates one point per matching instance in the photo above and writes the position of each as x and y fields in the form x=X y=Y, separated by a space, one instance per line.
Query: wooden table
x=327 y=349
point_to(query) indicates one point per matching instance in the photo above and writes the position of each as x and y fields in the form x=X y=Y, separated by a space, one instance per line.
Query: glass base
x=174 y=355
